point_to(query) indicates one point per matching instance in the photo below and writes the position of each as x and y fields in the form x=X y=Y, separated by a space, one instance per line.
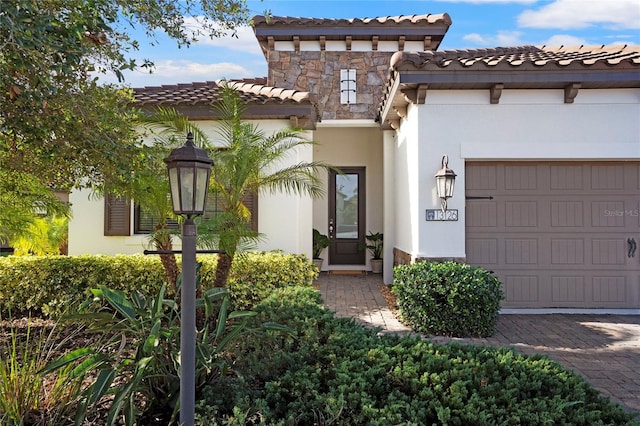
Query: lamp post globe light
x=445 y=182
x=189 y=168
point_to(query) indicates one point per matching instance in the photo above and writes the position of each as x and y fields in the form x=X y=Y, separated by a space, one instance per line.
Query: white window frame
x=348 y=86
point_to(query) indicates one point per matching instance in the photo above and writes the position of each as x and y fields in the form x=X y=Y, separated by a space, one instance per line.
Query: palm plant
x=149 y=185
x=247 y=163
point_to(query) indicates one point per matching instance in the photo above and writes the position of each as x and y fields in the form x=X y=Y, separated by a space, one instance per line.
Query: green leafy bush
x=254 y=275
x=447 y=298
x=52 y=285
x=334 y=371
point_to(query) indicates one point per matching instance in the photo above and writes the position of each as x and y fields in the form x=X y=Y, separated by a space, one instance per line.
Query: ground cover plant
x=312 y=368
x=334 y=371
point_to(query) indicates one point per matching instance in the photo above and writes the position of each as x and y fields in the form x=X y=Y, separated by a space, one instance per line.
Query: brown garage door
x=557 y=234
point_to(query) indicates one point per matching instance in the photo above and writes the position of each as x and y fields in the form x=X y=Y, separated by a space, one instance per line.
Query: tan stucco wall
x=352 y=147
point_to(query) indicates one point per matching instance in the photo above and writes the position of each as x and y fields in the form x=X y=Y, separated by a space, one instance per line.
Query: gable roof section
x=427 y=28
x=195 y=100
x=413 y=74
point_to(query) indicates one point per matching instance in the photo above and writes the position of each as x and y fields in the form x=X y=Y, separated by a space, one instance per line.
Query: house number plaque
x=438 y=214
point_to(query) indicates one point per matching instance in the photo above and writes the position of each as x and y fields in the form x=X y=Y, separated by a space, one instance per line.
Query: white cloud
x=244 y=41
x=501 y=38
x=565 y=40
x=575 y=14
x=180 y=71
x=476 y=38
x=198 y=71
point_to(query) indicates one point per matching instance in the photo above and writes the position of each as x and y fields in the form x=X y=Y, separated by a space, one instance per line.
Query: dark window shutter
x=251 y=201
x=117 y=215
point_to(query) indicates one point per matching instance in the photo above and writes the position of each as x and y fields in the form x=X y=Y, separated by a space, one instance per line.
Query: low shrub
x=254 y=275
x=335 y=371
x=447 y=298
x=51 y=285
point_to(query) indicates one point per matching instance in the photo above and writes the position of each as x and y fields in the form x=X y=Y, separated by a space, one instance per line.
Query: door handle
x=632 y=247
x=330 y=228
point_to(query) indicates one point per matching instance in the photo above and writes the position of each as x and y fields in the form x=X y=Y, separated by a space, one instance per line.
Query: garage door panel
x=556 y=234
x=609 y=177
x=521 y=289
x=568 y=290
x=483 y=250
x=608 y=251
x=609 y=290
x=519 y=177
x=521 y=251
x=608 y=214
x=520 y=214
x=565 y=214
x=481 y=178
x=566 y=178
x=567 y=251
x=483 y=214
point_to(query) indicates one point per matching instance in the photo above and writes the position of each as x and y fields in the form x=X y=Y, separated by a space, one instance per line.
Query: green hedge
x=447 y=298
x=50 y=285
x=334 y=371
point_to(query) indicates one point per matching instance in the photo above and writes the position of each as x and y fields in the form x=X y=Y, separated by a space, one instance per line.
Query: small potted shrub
x=374 y=244
x=320 y=242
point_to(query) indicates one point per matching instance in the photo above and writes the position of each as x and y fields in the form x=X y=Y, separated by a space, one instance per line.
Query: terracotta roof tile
x=524 y=67
x=209 y=92
x=582 y=56
x=402 y=19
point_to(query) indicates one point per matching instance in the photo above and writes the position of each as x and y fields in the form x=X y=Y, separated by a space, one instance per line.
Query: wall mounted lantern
x=189 y=168
x=445 y=182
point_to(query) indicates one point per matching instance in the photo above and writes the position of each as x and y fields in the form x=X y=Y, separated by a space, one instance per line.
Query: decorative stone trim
x=401 y=257
x=442 y=259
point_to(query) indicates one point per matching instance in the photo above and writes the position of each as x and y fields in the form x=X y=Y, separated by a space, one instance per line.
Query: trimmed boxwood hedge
x=335 y=371
x=448 y=298
x=51 y=285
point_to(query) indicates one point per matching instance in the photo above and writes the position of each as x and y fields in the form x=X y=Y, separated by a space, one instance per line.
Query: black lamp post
x=445 y=182
x=189 y=168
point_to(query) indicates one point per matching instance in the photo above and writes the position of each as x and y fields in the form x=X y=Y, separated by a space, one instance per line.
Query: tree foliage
x=58 y=127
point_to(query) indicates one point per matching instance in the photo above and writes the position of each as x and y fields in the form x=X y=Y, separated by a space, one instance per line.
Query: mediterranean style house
x=544 y=143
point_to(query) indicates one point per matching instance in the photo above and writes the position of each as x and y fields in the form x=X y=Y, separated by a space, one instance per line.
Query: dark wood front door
x=347 y=216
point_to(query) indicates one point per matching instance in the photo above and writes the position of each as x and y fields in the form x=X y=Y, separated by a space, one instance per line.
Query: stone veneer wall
x=401 y=257
x=319 y=73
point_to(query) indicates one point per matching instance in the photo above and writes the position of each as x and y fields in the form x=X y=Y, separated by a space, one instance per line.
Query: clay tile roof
x=208 y=93
x=387 y=28
x=412 y=74
x=512 y=57
x=402 y=19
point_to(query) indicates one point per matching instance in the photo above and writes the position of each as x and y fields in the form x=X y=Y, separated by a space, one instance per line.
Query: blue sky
x=476 y=24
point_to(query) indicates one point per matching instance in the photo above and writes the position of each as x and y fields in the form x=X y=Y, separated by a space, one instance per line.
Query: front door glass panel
x=347 y=206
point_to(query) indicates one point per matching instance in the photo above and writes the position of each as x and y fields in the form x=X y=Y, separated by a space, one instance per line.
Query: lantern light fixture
x=445 y=182
x=189 y=168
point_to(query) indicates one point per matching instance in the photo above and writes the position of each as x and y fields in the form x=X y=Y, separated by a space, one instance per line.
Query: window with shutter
x=145 y=222
x=117 y=215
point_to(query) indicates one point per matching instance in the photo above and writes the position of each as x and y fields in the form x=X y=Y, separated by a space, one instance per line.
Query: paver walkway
x=605 y=349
